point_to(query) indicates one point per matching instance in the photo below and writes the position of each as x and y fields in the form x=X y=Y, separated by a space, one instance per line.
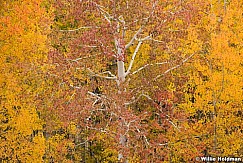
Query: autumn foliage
x=120 y=81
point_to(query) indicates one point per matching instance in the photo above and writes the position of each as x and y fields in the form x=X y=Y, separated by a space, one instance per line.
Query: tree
x=116 y=70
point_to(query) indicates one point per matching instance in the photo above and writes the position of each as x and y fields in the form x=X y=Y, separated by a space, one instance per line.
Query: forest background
x=117 y=80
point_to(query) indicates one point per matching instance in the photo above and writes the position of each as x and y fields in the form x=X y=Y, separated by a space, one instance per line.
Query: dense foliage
x=128 y=81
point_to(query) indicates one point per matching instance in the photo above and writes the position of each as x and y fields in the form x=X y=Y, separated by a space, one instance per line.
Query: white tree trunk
x=121 y=71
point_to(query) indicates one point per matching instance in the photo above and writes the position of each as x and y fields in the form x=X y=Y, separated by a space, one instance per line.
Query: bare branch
x=146 y=140
x=152 y=64
x=153 y=9
x=102 y=130
x=140 y=29
x=135 y=100
x=134 y=37
x=73 y=30
x=100 y=76
x=128 y=125
x=174 y=125
x=104 y=13
x=76 y=87
x=155 y=40
x=81 y=143
x=145 y=38
x=89 y=46
x=135 y=52
x=108 y=72
x=98 y=98
x=172 y=68
x=71 y=98
x=133 y=57
x=81 y=58
x=164 y=144
x=93 y=94
x=122 y=21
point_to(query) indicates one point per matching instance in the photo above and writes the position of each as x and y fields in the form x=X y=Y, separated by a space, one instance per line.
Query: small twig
x=81 y=143
x=71 y=97
x=135 y=100
x=152 y=64
x=93 y=94
x=173 y=125
x=100 y=76
x=146 y=140
x=73 y=30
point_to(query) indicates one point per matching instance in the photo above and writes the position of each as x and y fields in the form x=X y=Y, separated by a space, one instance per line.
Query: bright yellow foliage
x=217 y=81
x=23 y=36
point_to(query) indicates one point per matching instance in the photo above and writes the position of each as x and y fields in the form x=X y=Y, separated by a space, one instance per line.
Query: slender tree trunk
x=120 y=62
x=120 y=79
x=121 y=71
